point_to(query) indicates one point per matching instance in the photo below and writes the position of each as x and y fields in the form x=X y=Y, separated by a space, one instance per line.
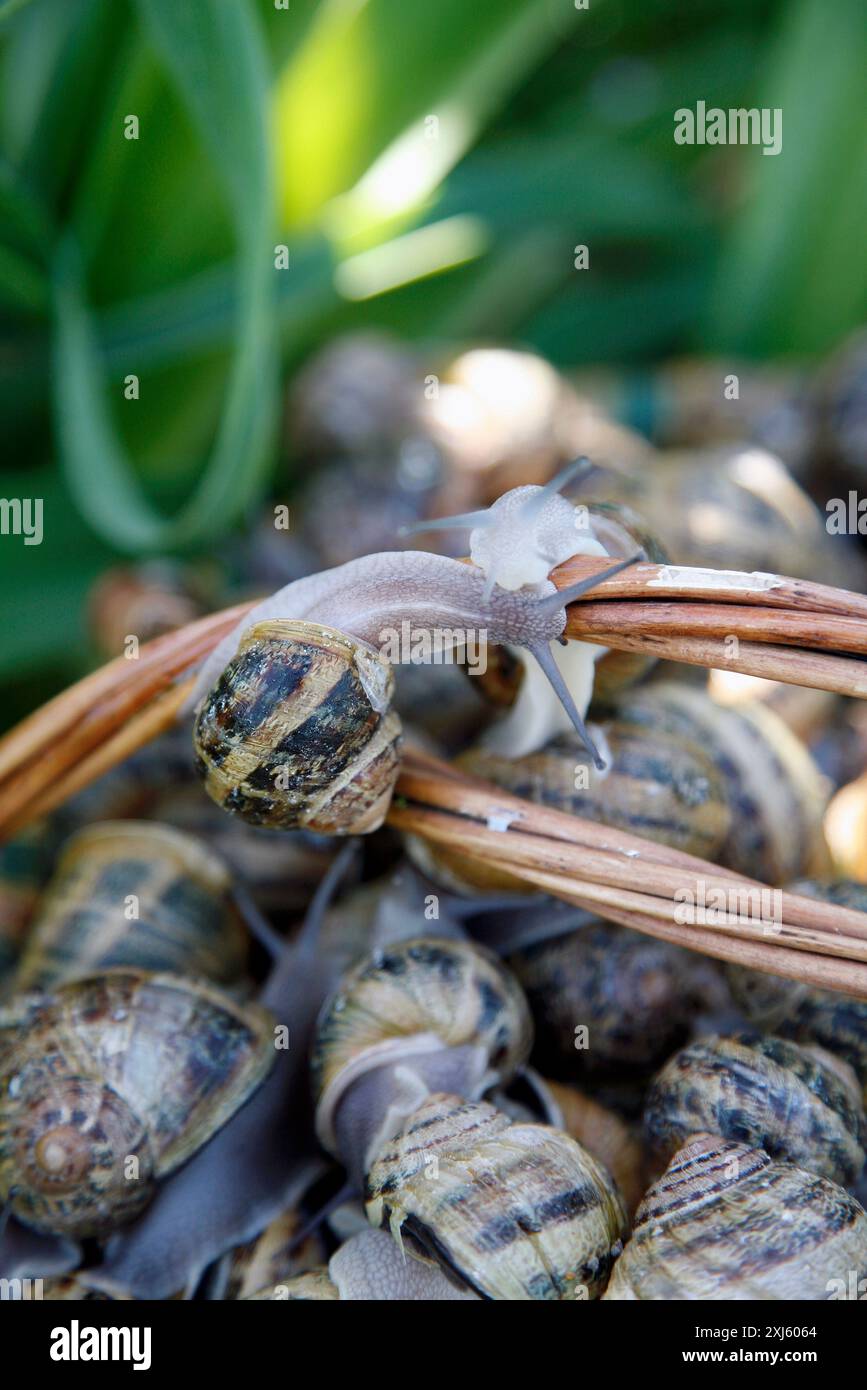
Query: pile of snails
x=255 y=1045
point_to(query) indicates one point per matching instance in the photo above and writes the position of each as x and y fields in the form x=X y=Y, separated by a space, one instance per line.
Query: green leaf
x=794 y=274
x=214 y=53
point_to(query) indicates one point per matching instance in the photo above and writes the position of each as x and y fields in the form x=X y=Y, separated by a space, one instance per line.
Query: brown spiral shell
x=123 y=1066
x=513 y=1211
x=795 y=1010
x=658 y=784
x=799 y=1104
x=183 y=920
x=450 y=992
x=725 y=1222
x=775 y=792
x=297 y=731
x=634 y=995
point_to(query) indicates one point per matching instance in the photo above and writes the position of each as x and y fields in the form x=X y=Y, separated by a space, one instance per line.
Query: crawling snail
x=294 y=724
x=109 y=1084
x=428 y=1014
x=417 y=1016
x=800 y=1104
x=727 y=1222
x=133 y=893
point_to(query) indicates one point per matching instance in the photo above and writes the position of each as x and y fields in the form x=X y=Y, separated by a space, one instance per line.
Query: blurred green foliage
x=310 y=126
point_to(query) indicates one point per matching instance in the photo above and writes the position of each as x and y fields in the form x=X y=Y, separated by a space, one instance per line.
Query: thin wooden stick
x=667 y=582
x=794 y=666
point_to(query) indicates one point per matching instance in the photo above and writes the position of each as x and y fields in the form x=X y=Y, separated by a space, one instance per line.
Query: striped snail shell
x=800 y=1104
x=775 y=792
x=297 y=732
x=431 y=1007
x=273 y=1257
x=634 y=995
x=139 y=895
x=726 y=1222
x=513 y=1211
x=658 y=784
x=795 y=1010
x=112 y=1082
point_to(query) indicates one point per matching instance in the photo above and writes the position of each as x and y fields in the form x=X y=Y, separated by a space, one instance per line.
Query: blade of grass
x=214 y=53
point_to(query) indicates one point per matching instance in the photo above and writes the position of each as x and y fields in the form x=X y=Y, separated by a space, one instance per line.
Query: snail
x=262 y=1161
x=109 y=1084
x=775 y=792
x=412 y=1017
x=726 y=1222
x=795 y=1010
x=610 y=1002
x=427 y=1013
x=294 y=725
x=136 y=894
x=657 y=784
x=369 y=1267
x=799 y=1104
x=512 y=1211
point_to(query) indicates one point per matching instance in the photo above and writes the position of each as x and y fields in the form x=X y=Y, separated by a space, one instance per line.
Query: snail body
x=726 y=1222
x=369 y=1266
x=134 y=894
x=461 y=1171
x=799 y=1104
x=112 y=1082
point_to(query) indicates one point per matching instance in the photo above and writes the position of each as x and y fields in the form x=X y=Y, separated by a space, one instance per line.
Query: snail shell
x=274 y=1256
x=726 y=1222
x=795 y=1010
x=120 y=1067
x=183 y=922
x=297 y=731
x=417 y=997
x=513 y=1211
x=775 y=793
x=800 y=1104
x=636 y=997
x=658 y=784
x=740 y=508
